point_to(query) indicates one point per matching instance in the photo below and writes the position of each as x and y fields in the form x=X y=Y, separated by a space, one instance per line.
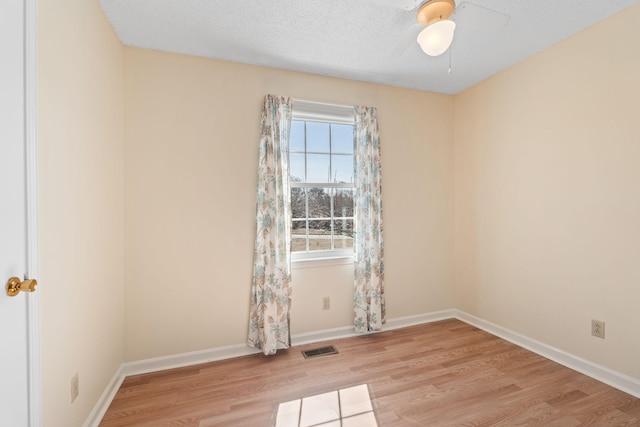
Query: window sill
x=321 y=262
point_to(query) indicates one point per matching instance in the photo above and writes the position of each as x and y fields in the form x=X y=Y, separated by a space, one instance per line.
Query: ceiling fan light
x=437 y=37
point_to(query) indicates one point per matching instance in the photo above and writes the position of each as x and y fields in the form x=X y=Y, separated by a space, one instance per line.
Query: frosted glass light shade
x=437 y=37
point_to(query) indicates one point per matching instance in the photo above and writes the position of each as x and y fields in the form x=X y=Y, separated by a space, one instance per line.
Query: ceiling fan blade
x=405 y=41
x=398 y=4
x=479 y=18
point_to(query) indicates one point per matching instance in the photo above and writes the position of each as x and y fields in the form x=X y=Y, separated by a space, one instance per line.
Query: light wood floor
x=446 y=373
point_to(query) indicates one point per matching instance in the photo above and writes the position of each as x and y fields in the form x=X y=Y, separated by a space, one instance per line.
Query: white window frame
x=324 y=113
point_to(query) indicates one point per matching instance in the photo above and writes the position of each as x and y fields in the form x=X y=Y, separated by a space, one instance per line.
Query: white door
x=16 y=386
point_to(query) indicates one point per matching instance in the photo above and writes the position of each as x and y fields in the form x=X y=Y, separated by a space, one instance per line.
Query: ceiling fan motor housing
x=435 y=10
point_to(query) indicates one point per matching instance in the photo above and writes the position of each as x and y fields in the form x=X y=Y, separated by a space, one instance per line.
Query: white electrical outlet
x=597 y=328
x=75 y=387
x=326 y=303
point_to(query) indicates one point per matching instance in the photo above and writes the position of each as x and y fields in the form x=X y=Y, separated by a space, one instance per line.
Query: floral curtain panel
x=270 y=286
x=368 y=298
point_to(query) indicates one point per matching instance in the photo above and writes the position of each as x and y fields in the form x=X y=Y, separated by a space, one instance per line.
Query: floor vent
x=317 y=352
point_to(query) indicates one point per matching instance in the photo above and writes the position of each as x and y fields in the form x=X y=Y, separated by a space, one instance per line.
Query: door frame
x=31 y=188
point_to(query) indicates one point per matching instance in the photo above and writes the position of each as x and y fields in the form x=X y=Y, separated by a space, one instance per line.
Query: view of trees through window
x=322 y=186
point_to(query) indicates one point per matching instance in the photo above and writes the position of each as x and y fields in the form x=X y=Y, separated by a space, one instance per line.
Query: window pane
x=343 y=202
x=298 y=203
x=298 y=236
x=320 y=235
x=296 y=137
x=342 y=168
x=343 y=233
x=319 y=202
x=318 y=137
x=322 y=218
x=296 y=167
x=318 y=168
x=342 y=139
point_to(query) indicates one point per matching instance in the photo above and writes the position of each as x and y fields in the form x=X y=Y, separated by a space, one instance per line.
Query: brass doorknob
x=15 y=285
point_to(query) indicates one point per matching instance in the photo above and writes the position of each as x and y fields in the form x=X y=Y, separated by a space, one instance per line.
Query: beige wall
x=80 y=162
x=192 y=127
x=547 y=195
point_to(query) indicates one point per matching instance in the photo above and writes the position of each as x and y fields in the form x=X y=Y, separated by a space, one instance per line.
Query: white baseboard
x=94 y=418
x=615 y=379
x=403 y=322
x=348 y=331
x=187 y=359
x=608 y=376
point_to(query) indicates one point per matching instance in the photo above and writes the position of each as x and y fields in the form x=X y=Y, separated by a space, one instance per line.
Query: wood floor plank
x=445 y=373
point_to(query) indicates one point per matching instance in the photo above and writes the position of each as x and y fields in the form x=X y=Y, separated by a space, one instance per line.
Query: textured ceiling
x=368 y=40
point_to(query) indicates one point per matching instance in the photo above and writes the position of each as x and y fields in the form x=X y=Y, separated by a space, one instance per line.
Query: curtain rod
x=323 y=103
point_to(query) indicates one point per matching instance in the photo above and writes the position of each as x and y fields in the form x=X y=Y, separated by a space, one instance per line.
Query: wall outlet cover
x=597 y=328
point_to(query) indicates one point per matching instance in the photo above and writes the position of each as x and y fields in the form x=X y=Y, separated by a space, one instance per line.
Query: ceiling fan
x=438 y=19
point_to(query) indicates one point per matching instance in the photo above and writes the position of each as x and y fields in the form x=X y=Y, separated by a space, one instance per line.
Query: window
x=321 y=168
